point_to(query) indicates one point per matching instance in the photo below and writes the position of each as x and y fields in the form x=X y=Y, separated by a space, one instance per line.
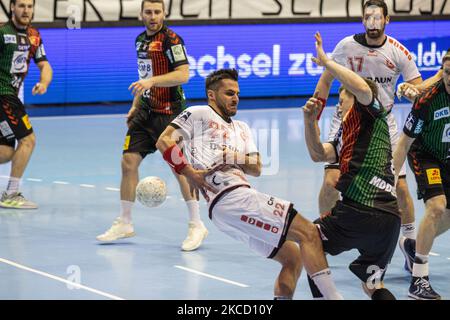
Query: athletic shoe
x=408 y=247
x=421 y=289
x=16 y=200
x=196 y=233
x=118 y=230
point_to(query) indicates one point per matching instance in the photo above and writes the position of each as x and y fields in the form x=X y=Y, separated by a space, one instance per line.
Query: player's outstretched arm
x=349 y=79
x=319 y=152
x=403 y=145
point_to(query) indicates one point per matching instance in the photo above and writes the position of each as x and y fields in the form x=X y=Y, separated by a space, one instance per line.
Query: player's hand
x=39 y=88
x=197 y=180
x=322 y=57
x=312 y=107
x=140 y=86
x=407 y=90
x=131 y=114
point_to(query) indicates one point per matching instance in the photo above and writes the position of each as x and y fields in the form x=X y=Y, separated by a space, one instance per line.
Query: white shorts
x=393 y=131
x=257 y=219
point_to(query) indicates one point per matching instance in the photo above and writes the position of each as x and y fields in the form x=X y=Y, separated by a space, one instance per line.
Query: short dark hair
x=214 y=78
x=152 y=1
x=379 y=3
x=14 y=2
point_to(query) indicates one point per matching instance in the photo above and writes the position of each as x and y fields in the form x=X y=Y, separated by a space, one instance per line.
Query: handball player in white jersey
x=220 y=152
x=383 y=59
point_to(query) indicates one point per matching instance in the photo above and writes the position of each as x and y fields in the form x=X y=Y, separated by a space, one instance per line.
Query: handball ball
x=151 y=191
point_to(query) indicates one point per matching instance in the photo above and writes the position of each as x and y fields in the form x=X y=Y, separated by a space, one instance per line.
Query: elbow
x=316 y=158
x=258 y=171
x=160 y=143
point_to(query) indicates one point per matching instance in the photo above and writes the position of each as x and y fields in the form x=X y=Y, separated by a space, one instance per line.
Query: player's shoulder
x=199 y=109
x=141 y=36
x=33 y=31
x=396 y=47
x=427 y=96
x=173 y=37
x=241 y=124
x=349 y=40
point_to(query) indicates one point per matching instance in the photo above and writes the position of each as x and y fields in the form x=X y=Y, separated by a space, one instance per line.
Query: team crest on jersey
x=34 y=40
x=441 y=113
x=390 y=65
x=10 y=38
x=410 y=121
x=156 y=46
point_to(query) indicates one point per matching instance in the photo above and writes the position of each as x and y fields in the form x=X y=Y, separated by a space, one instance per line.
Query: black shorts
x=432 y=177
x=144 y=131
x=14 y=122
x=373 y=233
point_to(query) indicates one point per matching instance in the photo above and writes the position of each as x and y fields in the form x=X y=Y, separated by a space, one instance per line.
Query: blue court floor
x=74 y=176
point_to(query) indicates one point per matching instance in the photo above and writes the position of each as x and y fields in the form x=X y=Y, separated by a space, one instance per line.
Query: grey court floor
x=74 y=175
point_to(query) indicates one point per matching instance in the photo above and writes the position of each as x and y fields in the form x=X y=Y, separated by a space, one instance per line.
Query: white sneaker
x=196 y=233
x=16 y=201
x=118 y=230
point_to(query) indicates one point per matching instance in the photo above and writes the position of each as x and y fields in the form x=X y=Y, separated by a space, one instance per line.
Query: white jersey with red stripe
x=383 y=64
x=207 y=134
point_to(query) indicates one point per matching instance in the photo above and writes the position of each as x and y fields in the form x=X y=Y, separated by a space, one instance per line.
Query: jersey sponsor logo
x=156 y=46
x=145 y=68
x=419 y=127
x=178 y=53
x=184 y=116
x=381 y=80
x=23 y=47
x=442 y=113
x=390 y=65
x=372 y=53
x=410 y=121
x=260 y=224
x=10 y=38
x=446 y=133
x=434 y=176
x=126 y=145
x=40 y=52
x=382 y=185
x=34 y=40
x=6 y=130
x=26 y=122
x=19 y=62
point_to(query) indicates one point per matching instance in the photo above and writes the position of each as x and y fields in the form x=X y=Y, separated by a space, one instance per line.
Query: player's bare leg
x=291 y=266
x=306 y=234
x=328 y=195
x=123 y=227
x=12 y=198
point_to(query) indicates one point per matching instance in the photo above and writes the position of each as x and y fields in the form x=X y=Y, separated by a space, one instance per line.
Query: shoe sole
x=410 y=295
x=405 y=254
x=18 y=208
x=195 y=248
x=128 y=235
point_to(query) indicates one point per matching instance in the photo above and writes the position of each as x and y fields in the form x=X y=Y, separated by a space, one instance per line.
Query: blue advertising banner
x=274 y=60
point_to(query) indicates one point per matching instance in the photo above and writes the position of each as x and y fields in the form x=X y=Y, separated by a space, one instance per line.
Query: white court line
x=112 y=189
x=60 y=182
x=87 y=185
x=212 y=277
x=434 y=254
x=35 y=180
x=73 y=284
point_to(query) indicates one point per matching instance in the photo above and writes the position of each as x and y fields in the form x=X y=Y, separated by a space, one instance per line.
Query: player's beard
x=375 y=33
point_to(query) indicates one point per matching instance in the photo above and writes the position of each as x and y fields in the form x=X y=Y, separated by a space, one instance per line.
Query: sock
x=125 y=212
x=314 y=290
x=194 y=211
x=281 y=298
x=13 y=185
x=420 y=266
x=325 y=283
x=409 y=230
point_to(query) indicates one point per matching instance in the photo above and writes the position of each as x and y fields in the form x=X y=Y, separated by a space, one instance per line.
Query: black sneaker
x=420 y=289
x=408 y=247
